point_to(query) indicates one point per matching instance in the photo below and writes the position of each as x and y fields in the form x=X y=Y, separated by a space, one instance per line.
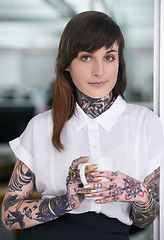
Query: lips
x=97 y=84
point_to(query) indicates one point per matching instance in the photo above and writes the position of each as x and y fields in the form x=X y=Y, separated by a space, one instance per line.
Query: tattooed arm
x=122 y=187
x=142 y=219
x=19 y=211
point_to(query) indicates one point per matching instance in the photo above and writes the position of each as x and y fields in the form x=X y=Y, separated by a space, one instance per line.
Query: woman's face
x=95 y=74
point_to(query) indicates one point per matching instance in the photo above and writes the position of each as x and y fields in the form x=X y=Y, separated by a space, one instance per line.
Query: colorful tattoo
x=143 y=219
x=132 y=188
x=19 y=208
x=38 y=212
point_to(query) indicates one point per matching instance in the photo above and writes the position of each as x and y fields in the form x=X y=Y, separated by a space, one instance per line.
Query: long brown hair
x=88 y=31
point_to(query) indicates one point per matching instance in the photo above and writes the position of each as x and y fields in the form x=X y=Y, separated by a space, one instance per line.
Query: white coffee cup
x=81 y=169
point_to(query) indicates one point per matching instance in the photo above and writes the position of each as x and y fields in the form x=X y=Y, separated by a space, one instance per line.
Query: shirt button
x=93 y=121
x=95 y=146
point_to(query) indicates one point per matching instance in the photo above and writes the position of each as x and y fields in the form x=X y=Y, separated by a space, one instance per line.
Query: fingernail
x=95 y=166
x=87 y=186
x=99 y=178
x=88 y=195
x=92 y=173
x=97 y=201
x=93 y=190
x=86 y=157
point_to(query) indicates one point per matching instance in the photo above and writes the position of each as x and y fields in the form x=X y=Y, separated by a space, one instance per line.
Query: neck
x=93 y=107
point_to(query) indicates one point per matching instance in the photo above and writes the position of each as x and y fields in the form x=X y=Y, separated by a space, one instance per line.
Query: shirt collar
x=105 y=120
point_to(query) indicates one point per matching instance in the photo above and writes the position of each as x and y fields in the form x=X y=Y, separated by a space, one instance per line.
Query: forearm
x=20 y=214
x=144 y=216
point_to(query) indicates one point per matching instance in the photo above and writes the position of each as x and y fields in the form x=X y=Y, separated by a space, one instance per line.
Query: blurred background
x=30 y=31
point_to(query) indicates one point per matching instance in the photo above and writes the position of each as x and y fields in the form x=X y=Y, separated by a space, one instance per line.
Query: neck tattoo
x=93 y=107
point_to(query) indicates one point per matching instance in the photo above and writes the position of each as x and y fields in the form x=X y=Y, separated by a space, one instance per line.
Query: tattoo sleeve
x=27 y=213
x=19 y=211
x=19 y=178
x=143 y=219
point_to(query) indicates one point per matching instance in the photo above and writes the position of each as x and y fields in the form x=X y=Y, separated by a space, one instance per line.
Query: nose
x=98 y=69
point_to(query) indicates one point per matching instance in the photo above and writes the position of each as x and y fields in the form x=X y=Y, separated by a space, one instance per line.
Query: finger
x=108 y=197
x=104 y=185
x=77 y=161
x=97 y=173
x=106 y=200
x=83 y=191
x=91 y=178
x=90 y=168
x=106 y=174
x=96 y=194
x=106 y=193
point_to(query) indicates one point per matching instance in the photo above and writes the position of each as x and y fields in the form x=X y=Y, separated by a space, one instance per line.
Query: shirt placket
x=94 y=140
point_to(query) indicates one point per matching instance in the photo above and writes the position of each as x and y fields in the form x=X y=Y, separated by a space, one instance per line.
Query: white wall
x=10 y=71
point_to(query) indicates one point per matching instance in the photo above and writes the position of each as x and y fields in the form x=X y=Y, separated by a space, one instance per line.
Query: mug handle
x=81 y=169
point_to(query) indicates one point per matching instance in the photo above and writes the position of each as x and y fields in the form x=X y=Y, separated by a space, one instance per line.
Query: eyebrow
x=110 y=51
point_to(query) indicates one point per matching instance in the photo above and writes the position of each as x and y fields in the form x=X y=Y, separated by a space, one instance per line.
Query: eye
x=86 y=58
x=109 y=58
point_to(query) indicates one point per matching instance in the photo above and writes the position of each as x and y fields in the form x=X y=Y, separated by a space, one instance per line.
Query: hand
x=73 y=182
x=120 y=188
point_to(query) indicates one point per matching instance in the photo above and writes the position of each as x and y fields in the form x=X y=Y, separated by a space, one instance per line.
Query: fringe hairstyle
x=88 y=31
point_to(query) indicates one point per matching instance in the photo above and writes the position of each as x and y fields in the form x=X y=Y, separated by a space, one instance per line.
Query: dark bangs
x=97 y=33
x=91 y=31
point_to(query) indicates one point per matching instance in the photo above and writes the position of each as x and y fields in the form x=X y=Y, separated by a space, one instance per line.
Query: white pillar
x=162 y=115
x=159 y=98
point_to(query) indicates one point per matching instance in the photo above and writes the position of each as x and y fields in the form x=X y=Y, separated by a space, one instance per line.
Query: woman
x=90 y=122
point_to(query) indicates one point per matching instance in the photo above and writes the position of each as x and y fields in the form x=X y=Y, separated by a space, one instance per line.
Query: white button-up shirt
x=126 y=138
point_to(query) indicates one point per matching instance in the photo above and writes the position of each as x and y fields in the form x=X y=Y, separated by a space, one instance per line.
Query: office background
x=30 y=31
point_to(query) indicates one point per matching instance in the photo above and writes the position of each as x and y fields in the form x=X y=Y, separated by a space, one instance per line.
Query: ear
x=67 y=69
